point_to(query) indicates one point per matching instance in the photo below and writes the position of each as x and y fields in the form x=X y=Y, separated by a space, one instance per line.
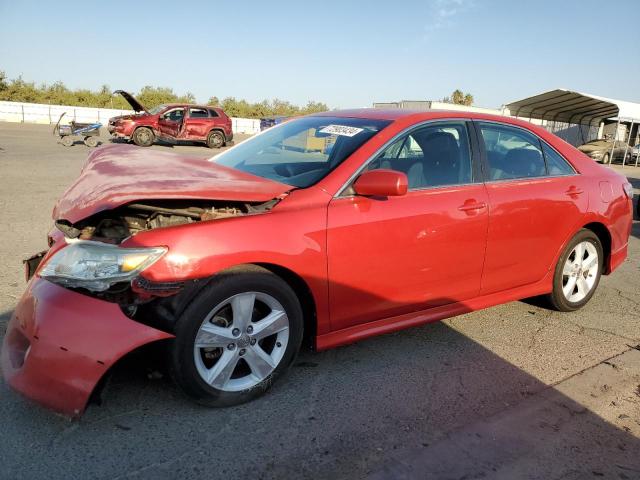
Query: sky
x=344 y=53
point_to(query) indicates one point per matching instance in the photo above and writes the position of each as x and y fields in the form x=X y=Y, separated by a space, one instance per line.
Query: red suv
x=194 y=123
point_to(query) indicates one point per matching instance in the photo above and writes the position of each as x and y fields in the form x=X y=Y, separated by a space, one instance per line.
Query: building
x=579 y=117
x=434 y=105
x=575 y=117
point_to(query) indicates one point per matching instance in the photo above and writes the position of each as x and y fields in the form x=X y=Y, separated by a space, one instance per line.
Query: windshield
x=303 y=151
x=157 y=109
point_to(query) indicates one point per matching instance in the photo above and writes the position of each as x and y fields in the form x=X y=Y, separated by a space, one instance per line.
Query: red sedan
x=332 y=227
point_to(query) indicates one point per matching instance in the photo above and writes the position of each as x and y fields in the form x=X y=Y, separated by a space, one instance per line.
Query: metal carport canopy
x=565 y=106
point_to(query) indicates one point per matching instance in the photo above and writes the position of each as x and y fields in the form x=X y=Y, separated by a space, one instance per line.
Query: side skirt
x=400 y=322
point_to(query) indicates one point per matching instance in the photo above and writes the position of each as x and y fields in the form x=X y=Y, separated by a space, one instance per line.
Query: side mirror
x=381 y=183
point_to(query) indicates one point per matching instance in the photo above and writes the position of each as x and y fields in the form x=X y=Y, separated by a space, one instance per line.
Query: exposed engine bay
x=116 y=225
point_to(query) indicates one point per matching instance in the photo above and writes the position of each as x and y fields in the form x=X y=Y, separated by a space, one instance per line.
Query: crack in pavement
x=161 y=464
x=582 y=328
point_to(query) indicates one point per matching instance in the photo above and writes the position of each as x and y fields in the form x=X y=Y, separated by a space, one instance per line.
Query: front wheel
x=143 y=137
x=237 y=337
x=91 y=141
x=578 y=272
x=605 y=159
x=215 y=140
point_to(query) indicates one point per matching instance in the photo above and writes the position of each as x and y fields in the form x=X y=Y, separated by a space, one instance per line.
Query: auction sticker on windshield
x=343 y=130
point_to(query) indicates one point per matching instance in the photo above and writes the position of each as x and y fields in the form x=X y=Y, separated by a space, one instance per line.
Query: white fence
x=245 y=125
x=48 y=114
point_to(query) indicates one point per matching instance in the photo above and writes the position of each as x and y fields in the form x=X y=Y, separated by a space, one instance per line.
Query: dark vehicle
x=172 y=122
x=89 y=132
x=269 y=122
x=601 y=150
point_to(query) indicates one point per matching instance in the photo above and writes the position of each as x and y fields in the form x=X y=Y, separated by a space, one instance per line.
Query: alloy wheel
x=580 y=271
x=216 y=140
x=144 y=136
x=241 y=341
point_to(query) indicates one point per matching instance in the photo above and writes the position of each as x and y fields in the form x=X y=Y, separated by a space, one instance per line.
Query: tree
x=315 y=107
x=458 y=97
x=153 y=96
x=3 y=82
x=57 y=93
x=20 y=91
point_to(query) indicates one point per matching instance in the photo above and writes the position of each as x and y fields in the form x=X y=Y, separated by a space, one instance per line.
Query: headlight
x=96 y=266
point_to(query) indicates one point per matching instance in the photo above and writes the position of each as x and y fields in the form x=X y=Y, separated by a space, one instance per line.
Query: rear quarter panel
x=608 y=204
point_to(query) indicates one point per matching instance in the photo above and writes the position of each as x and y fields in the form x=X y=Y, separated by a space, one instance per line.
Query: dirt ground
x=515 y=391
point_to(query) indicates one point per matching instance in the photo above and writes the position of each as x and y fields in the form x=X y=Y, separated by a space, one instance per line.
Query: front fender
x=289 y=236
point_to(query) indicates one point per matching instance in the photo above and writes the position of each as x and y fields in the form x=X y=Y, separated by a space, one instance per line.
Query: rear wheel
x=578 y=272
x=605 y=159
x=215 y=139
x=143 y=137
x=91 y=141
x=67 y=141
x=236 y=338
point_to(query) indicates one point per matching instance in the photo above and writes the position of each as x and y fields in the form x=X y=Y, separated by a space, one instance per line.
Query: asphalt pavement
x=514 y=391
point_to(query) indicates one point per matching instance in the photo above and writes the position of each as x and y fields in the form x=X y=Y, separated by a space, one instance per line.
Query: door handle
x=574 y=191
x=471 y=206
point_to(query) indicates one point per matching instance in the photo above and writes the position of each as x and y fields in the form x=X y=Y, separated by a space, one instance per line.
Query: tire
x=215 y=139
x=91 y=141
x=568 y=294
x=143 y=137
x=605 y=159
x=212 y=333
x=67 y=141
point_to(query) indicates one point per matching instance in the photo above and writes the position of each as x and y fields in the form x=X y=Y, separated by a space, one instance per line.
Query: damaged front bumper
x=32 y=263
x=60 y=343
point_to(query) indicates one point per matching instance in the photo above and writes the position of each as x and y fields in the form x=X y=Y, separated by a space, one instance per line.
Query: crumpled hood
x=115 y=175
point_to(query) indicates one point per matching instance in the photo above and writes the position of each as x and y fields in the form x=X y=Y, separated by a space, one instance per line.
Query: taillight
x=628 y=190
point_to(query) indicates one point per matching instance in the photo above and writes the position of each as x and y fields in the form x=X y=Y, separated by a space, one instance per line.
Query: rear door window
x=556 y=164
x=198 y=113
x=511 y=152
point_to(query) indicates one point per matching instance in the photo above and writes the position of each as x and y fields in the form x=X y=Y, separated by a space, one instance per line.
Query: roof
x=196 y=105
x=398 y=113
x=573 y=107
